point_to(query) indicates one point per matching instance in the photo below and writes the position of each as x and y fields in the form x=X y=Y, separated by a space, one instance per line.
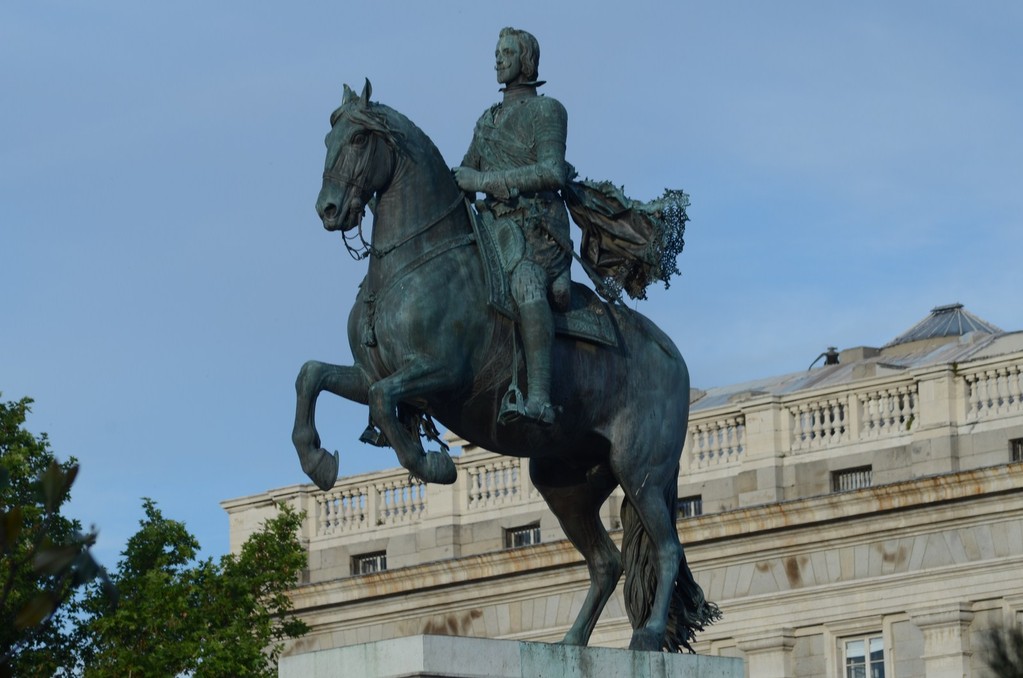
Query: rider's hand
x=468 y=179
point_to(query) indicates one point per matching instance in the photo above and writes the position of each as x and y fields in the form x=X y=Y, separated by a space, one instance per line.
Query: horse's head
x=361 y=154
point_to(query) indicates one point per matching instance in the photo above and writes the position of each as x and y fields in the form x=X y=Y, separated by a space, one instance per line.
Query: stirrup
x=374 y=436
x=511 y=406
x=512 y=409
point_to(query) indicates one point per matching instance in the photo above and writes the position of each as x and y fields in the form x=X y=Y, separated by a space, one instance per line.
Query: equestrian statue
x=463 y=301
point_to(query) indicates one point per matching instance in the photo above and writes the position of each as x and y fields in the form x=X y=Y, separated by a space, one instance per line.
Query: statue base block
x=454 y=657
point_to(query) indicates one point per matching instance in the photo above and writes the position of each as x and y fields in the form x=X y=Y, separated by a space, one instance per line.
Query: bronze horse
x=425 y=342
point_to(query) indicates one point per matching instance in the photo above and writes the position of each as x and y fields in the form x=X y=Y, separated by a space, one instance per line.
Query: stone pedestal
x=454 y=657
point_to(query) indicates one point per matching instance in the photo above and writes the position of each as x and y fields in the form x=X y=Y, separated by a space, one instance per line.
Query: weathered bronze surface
x=428 y=342
x=517 y=159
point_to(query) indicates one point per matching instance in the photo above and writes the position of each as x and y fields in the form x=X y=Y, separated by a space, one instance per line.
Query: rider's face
x=508 y=60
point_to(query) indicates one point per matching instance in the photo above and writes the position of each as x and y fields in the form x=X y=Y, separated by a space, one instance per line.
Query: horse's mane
x=400 y=133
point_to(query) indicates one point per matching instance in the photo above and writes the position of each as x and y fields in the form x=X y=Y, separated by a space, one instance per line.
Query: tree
x=59 y=615
x=178 y=615
x=253 y=601
x=44 y=557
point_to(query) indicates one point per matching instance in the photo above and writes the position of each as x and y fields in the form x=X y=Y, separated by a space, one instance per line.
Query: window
x=689 y=507
x=1016 y=449
x=863 y=657
x=525 y=535
x=367 y=563
x=850 y=479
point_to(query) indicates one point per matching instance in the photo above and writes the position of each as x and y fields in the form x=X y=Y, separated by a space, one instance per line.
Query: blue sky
x=164 y=274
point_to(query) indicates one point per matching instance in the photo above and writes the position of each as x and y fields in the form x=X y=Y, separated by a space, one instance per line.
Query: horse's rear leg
x=314 y=377
x=575 y=498
x=651 y=491
x=418 y=379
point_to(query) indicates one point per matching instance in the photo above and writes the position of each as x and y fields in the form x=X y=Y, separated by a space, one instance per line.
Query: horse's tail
x=689 y=611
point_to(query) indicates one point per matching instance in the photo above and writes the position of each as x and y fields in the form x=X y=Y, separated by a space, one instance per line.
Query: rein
x=381 y=253
x=373 y=296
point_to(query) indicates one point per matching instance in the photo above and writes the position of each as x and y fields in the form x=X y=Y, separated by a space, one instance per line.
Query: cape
x=627 y=244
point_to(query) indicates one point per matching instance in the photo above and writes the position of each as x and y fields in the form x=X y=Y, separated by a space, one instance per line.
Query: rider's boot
x=537 y=324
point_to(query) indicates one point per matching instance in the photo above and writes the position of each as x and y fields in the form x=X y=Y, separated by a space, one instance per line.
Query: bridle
x=355 y=182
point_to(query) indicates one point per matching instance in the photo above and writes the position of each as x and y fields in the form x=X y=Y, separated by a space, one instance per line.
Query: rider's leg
x=537 y=337
x=529 y=288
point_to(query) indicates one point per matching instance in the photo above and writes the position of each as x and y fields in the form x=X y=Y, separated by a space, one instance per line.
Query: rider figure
x=517 y=159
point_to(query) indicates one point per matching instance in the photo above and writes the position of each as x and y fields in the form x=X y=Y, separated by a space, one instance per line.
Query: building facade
x=862 y=518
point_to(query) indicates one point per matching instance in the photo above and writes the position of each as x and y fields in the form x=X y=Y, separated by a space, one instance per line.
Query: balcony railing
x=715 y=441
x=496 y=483
x=994 y=392
x=888 y=411
x=343 y=509
x=819 y=423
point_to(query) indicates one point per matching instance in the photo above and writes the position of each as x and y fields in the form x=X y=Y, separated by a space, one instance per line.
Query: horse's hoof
x=437 y=467
x=645 y=640
x=324 y=474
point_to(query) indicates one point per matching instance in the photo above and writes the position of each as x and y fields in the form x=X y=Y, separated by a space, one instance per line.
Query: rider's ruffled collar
x=521 y=90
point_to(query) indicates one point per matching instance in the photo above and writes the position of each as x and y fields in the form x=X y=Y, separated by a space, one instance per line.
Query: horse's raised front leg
x=418 y=379
x=348 y=382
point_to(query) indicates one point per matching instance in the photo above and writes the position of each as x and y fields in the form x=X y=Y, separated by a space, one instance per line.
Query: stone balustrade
x=818 y=423
x=345 y=508
x=887 y=411
x=389 y=498
x=715 y=441
x=351 y=507
x=498 y=482
x=994 y=391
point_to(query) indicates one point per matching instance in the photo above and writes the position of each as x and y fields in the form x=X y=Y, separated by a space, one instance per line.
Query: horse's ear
x=349 y=96
x=367 y=92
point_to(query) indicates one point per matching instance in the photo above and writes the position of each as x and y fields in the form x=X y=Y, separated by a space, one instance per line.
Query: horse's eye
x=359 y=139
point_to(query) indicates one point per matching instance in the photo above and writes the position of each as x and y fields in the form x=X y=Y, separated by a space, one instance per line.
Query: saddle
x=587 y=317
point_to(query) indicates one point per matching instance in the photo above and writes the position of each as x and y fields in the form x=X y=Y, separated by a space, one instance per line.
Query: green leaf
x=35 y=611
x=56 y=484
x=40 y=613
x=10 y=528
